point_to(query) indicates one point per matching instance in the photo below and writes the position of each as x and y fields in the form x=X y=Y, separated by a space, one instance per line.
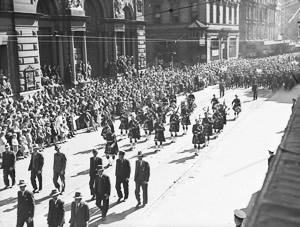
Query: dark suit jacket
x=81 y=216
x=8 y=160
x=142 y=172
x=94 y=164
x=123 y=169
x=38 y=162
x=56 y=213
x=26 y=204
x=105 y=184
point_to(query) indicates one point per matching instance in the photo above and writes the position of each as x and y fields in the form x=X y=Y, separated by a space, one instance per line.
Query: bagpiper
x=214 y=102
x=236 y=103
x=185 y=117
x=174 y=125
x=198 y=136
x=207 y=125
x=111 y=148
x=134 y=131
x=148 y=123
x=159 y=134
x=124 y=124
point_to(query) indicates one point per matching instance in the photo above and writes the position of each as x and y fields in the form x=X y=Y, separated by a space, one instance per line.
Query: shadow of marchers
x=114 y=217
x=187 y=151
x=84 y=152
x=38 y=201
x=183 y=160
x=8 y=201
x=145 y=154
x=82 y=173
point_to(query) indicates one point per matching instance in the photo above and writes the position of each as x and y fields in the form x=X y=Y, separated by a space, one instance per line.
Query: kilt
x=134 y=133
x=218 y=124
x=174 y=127
x=111 y=151
x=198 y=138
x=237 y=109
x=185 y=120
x=159 y=136
x=124 y=125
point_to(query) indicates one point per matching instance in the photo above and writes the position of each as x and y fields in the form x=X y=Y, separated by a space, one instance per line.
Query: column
x=72 y=59
x=84 y=50
x=238 y=14
x=61 y=58
x=214 y=13
x=115 y=56
x=207 y=12
x=221 y=13
x=124 y=43
x=227 y=13
x=237 y=46
x=232 y=14
x=208 y=50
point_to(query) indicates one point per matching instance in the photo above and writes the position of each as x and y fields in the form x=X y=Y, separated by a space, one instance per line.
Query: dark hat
x=7 y=145
x=77 y=195
x=22 y=183
x=140 y=154
x=54 y=192
x=94 y=151
x=121 y=153
x=240 y=214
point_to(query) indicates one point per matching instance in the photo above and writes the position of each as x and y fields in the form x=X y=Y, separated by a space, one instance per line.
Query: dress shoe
x=137 y=205
x=36 y=191
x=6 y=187
x=93 y=197
x=119 y=200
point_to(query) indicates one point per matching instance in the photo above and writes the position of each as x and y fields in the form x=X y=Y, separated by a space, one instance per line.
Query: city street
x=184 y=189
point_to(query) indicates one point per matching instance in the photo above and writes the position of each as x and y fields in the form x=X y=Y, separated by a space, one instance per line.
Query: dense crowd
x=55 y=113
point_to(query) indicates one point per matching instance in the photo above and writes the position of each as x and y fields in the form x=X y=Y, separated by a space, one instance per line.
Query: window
x=175 y=15
x=232 y=47
x=215 y=44
x=157 y=14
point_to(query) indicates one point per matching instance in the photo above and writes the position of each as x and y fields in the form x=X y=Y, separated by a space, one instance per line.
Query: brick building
x=192 y=30
x=257 y=28
x=34 y=33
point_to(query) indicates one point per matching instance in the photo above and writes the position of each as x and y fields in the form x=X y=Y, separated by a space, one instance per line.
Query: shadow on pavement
x=84 y=172
x=7 y=201
x=187 y=151
x=38 y=201
x=183 y=160
x=114 y=217
x=84 y=152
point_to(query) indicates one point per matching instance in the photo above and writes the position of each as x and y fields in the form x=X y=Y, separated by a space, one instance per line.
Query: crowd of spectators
x=53 y=115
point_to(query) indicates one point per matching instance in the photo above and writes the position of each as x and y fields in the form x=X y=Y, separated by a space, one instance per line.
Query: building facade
x=65 y=33
x=258 y=27
x=192 y=31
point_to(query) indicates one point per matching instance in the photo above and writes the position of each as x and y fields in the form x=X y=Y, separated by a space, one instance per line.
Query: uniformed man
x=36 y=167
x=8 y=166
x=94 y=163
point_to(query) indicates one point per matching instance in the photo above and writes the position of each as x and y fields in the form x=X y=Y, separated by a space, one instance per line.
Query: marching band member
x=111 y=148
x=124 y=124
x=236 y=106
x=159 y=134
x=214 y=102
x=217 y=121
x=198 y=136
x=174 y=125
x=185 y=115
x=134 y=131
x=148 y=123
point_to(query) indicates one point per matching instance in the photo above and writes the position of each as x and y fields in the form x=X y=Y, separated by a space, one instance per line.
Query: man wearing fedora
x=239 y=217
x=94 y=163
x=59 y=168
x=36 y=166
x=141 y=178
x=80 y=213
x=8 y=166
x=102 y=190
x=56 y=212
x=26 y=206
x=122 y=175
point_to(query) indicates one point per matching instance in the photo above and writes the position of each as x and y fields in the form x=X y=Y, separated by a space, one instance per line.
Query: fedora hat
x=57 y=147
x=54 y=192
x=77 y=195
x=140 y=154
x=22 y=183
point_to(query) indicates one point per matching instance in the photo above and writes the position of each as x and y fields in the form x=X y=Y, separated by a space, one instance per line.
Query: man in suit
x=122 y=176
x=59 y=168
x=26 y=206
x=36 y=166
x=80 y=213
x=56 y=212
x=8 y=166
x=102 y=190
x=94 y=163
x=141 y=178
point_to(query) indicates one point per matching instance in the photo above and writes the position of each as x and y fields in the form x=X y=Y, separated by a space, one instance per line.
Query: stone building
x=192 y=31
x=64 y=33
x=257 y=28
